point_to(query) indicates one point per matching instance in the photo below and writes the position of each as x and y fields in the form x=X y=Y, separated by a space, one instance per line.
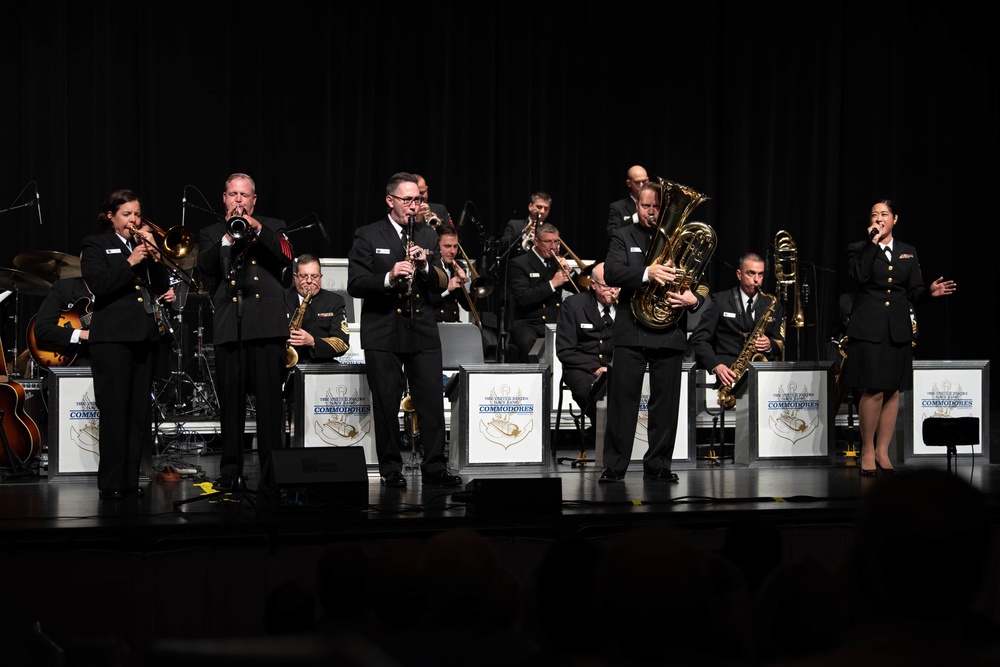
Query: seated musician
x=323 y=335
x=727 y=323
x=59 y=330
x=584 y=338
x=453 y=301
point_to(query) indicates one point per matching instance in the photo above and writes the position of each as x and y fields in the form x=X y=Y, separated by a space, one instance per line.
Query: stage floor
x=190 y=564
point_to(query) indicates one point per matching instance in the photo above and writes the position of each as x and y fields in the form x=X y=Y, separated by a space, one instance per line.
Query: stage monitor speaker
x=521 y=495
x=340 y=473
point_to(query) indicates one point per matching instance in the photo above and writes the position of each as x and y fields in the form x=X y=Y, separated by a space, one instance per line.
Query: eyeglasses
x=308 y=276
x=602 y=285
x=406 y=201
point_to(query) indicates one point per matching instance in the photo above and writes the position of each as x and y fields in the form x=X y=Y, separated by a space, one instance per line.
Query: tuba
x=688 y=246
x=786 y=272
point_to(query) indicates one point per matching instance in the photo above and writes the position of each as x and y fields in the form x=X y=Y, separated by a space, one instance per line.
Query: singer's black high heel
x=870 y=473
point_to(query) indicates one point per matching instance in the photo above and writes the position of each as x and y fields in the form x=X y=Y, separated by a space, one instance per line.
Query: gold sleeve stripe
x=337 y=344
x=344 y=327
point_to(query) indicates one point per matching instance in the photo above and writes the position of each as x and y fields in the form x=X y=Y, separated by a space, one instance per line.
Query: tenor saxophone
x=291 y=356
x=727 y=394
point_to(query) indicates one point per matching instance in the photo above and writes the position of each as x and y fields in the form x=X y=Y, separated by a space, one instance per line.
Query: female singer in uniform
x=880 y=333
x=126 y=277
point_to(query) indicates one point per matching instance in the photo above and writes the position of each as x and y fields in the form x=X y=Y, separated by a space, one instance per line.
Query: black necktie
x=403 y=237
x=888 y=253
x=608 y=321
x=750 y=310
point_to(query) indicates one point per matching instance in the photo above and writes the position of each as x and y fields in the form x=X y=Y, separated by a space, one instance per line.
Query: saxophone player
x=323 y=335
x=727 y=320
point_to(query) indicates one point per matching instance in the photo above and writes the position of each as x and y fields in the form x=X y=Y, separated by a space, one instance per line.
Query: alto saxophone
x=291 y=356
x=727 y=394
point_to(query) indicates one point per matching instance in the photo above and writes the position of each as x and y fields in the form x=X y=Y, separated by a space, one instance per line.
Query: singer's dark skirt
x=882 y=366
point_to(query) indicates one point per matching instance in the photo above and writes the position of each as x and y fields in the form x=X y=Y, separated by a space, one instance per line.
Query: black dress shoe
x=224 y=483
x=137 y=492
x=661 y=475
x=441 y=478
x=610 y=475
x=394 y=480
x=112 y=494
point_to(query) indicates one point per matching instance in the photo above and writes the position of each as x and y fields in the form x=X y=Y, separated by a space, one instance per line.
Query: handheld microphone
x=872 y=234
x=461 y=218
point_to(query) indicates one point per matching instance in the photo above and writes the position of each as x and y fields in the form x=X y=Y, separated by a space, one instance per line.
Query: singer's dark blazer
x=885 y=291
x=719 y=336
x=325 y=319
x=261 y=275
x=620 y=214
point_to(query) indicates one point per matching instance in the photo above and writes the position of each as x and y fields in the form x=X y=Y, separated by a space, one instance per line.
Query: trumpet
x=528 y=233
x=171 y=246
x=429 y=216
x=238 y=226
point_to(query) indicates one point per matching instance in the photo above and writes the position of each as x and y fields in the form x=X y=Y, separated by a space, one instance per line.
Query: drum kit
x=188 y=391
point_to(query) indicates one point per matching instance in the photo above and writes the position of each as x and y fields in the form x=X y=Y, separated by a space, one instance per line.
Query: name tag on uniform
x=635 y=248
x=534 y=275
x=381 y=251
x=586 y=325
x=730 y=315
x=112 y=251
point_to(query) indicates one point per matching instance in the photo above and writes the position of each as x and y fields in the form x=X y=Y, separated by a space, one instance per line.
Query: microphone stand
x=504 y=258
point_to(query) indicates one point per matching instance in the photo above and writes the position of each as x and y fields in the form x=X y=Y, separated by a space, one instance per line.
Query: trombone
x=583 y=279
x=172 y=245
x=480 y=286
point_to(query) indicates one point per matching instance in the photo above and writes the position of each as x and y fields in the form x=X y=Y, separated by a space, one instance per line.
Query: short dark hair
x=111 y=204
x=307 y=258
x=397 y=178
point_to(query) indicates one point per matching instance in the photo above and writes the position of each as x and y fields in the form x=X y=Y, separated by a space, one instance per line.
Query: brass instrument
x=482 y=286
x=528 y=233
x=583 y=280
x=566 y=272
x=726 y=393
x=687 y=246
x=172 y=245
x=429 y=217
x=291 y=355
x=786 y=272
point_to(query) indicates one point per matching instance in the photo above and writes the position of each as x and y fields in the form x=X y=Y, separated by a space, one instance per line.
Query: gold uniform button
x=234 y=299
x=256 y=296
x=233 y=283
x=886 y=303
x=890 y=267
x=139 y=299
x=138 y=287
x=253 y=261
x=256 y=278
x=543 y=317
x=890 y=280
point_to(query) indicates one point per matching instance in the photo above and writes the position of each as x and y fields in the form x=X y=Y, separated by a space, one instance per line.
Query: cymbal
x=22 y=282
x=49 y=265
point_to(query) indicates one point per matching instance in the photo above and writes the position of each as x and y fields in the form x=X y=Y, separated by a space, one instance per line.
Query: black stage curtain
x=788 y=115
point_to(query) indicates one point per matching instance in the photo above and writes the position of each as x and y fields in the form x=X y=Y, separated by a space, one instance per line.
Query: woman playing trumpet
x=121 y=266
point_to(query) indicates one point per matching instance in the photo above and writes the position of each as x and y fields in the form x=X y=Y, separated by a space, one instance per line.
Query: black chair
x=950 y=432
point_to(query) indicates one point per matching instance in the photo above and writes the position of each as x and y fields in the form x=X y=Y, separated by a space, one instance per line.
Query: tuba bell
x=688 y=246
